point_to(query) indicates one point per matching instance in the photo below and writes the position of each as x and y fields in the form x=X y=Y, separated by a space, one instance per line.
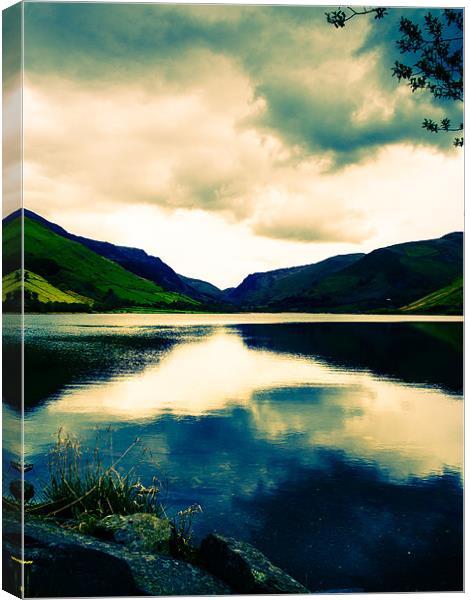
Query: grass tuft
x=81 y=487
x=182 y=524
x=81 y=491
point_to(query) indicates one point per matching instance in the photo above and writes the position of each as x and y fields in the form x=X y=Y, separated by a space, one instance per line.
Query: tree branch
x=339 y=18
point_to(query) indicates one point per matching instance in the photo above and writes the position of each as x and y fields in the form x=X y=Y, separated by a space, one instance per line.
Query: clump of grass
x=81 y=487
x=82 y=491
x=182 y=525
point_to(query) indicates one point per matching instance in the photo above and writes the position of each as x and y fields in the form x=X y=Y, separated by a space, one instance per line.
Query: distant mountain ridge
x=383 y=280
x=137 y=261
x=420 y=276
x=264 y=288
x=55 y=263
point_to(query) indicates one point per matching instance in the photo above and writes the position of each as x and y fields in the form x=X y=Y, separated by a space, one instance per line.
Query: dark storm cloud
x=301 y=67
x=322 y=119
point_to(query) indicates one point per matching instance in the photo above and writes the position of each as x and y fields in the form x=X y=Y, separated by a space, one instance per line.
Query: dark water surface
x=333 y=446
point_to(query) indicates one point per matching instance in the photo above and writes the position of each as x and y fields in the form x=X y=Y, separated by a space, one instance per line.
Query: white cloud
x=12 y=151
x=159 y=145
x=179 y=166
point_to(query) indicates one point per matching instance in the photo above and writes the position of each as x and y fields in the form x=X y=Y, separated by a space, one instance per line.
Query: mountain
x=383 y=280
x=69 y=272
x=264 y=289
x=73 y=268
x=203 y=289
x=140 y=263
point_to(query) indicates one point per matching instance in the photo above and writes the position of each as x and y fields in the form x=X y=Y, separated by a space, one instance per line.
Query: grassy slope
x=274 y=286
x=448 y=300
x=208 y=291
x=400 y=273
x=387 y=278
x=45 y=291
x=68 y=265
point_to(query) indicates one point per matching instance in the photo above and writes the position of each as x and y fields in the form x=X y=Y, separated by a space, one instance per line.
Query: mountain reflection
x=426 y=352
x=407 y=429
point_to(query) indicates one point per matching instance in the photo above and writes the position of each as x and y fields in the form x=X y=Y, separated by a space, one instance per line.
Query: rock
x=16 y=486
x=245 y=568
x=152 y=575
x=165 y=576
x=140 y=532
x=65 y=570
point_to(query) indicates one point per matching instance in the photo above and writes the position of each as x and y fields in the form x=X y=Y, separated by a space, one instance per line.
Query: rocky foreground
x=132 y=558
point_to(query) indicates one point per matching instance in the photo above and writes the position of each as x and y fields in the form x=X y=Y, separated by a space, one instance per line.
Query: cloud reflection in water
x=407 y=429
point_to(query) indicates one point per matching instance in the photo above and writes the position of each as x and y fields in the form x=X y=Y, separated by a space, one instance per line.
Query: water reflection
x=296 y=437
x=426 y=352
x=399 y=426
x=358 y=530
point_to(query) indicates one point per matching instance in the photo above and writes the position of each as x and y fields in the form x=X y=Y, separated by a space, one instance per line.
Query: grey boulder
x=64 y=569
x=67 y=563
x=246 y=569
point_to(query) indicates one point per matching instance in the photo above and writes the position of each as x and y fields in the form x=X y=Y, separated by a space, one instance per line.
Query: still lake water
x=332 y=443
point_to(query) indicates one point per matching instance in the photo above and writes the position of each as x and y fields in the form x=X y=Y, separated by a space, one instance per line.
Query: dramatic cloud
x=139 y=144
x=153 y=144
x=264 y=120
x=309 y=215
x=316 y=81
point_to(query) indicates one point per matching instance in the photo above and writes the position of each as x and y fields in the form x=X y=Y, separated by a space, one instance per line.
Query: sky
x=229 y=139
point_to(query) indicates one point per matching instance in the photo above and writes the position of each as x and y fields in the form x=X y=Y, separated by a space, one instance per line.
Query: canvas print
x=232 y=299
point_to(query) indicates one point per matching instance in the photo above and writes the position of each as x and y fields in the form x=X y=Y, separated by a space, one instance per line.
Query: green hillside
x=271 y=287
x=448 y=300
x=383 y=280
x=71 y=267
x=44 y=291
x=67 y=272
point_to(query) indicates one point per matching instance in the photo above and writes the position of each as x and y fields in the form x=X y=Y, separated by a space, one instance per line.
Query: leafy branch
x=445 y=125
x=438 y=48
x=339 y=17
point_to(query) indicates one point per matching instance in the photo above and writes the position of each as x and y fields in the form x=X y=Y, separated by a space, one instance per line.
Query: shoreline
x=275 y=317
x=139 y=548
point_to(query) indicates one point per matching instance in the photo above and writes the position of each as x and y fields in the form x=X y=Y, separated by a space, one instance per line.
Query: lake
x=333 y=443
